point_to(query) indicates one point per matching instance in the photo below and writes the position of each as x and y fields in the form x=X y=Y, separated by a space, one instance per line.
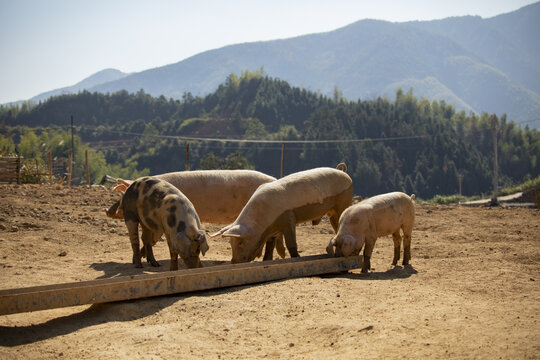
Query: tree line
x=408 y=144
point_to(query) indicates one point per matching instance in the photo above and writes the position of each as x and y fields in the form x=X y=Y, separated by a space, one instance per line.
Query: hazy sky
x=48 y=44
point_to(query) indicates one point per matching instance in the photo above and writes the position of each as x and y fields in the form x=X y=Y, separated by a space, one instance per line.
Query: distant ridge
x=476 y=64
x=101 y=77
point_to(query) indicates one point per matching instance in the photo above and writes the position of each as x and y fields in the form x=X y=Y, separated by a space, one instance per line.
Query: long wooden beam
x=140 y=286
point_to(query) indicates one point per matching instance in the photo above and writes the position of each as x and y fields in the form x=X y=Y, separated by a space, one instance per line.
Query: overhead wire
x=266 y=141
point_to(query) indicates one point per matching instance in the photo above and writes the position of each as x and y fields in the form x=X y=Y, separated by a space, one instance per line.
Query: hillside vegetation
x=406 y=144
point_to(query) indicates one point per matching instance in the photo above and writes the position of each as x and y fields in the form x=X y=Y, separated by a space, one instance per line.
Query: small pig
x=276 y=207
x=161 y=208
x=364 y=222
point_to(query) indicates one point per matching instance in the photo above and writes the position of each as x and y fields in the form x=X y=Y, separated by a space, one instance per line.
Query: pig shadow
x=112 y=269
x=397 y=272
x=96 y=314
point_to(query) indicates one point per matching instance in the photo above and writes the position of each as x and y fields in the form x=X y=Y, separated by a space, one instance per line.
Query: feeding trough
x=172 y=282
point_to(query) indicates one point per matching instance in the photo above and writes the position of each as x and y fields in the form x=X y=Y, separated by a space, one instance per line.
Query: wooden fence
x=10 y=170
x=40 y=170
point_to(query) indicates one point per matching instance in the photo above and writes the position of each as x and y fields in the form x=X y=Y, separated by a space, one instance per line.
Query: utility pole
x=494 y=122
x=282 y=158
x=460 y=177
x=72 y=134
x=72 y=146
x=187 y=157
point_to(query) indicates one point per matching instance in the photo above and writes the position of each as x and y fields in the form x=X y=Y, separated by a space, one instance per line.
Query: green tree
x=7 y=146
x=29 y=146
x=237 y=161
x=210 y=162
x=254 y=129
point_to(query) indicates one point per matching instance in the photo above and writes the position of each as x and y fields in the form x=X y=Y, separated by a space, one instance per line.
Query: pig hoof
x=136 y=261
x=154 y=263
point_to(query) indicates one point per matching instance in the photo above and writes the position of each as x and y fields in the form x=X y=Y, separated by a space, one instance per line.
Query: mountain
x=476 y=64
x=101 y=77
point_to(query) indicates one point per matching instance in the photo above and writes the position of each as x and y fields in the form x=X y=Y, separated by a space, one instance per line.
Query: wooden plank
x=173 y=282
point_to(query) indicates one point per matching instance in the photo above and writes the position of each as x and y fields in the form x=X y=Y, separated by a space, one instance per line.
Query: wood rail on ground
x=140 y=286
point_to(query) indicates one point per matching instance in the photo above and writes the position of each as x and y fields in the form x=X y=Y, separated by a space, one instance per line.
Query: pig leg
x=275 y=242
x=148 y=239
x=368 y=249
x=280 y=247
x=269 y=250
x=397 y=247
x=334 y=221
x=174 y=259
x=133 y=231
x=406 y=247
x=289 y=231
x=174 y=255
x=343 y=201
x=143 y=248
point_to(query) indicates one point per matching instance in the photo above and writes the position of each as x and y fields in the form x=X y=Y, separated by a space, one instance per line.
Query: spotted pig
x=161 y=208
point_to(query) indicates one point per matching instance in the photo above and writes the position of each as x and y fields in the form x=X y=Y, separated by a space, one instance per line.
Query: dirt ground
x=472 y=291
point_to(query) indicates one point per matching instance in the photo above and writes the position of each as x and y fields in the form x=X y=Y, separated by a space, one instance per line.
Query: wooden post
x=38 y=175
x=460 y=181
x=50 y=167
x=171 y=282
x=18 y=169
x=72 y=144
x=187 y=157
x=495 y=160
x=282 y=156
x=69 y=170
x=87 y=174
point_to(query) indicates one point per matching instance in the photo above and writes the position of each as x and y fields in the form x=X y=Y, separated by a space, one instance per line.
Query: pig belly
x=387 y=221
x=313 y=211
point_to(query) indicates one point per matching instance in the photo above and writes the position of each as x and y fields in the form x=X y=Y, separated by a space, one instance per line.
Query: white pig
x=276 y=207
x=381 y=215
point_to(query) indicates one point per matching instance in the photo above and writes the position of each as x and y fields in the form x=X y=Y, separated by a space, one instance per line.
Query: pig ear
x=348 y=245
x=124 y=182
x=204 y=244
x=221 y=231
x=235 y=231
x=330 y=247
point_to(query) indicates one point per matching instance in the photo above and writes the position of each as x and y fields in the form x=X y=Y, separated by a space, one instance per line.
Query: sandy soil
x=471 y=291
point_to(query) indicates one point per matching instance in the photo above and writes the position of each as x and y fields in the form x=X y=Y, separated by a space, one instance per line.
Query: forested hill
x=407 y=144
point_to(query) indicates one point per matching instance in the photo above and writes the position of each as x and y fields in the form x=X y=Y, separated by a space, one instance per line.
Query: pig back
x=391 y=211
x=293 y=191
x=217 y=195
